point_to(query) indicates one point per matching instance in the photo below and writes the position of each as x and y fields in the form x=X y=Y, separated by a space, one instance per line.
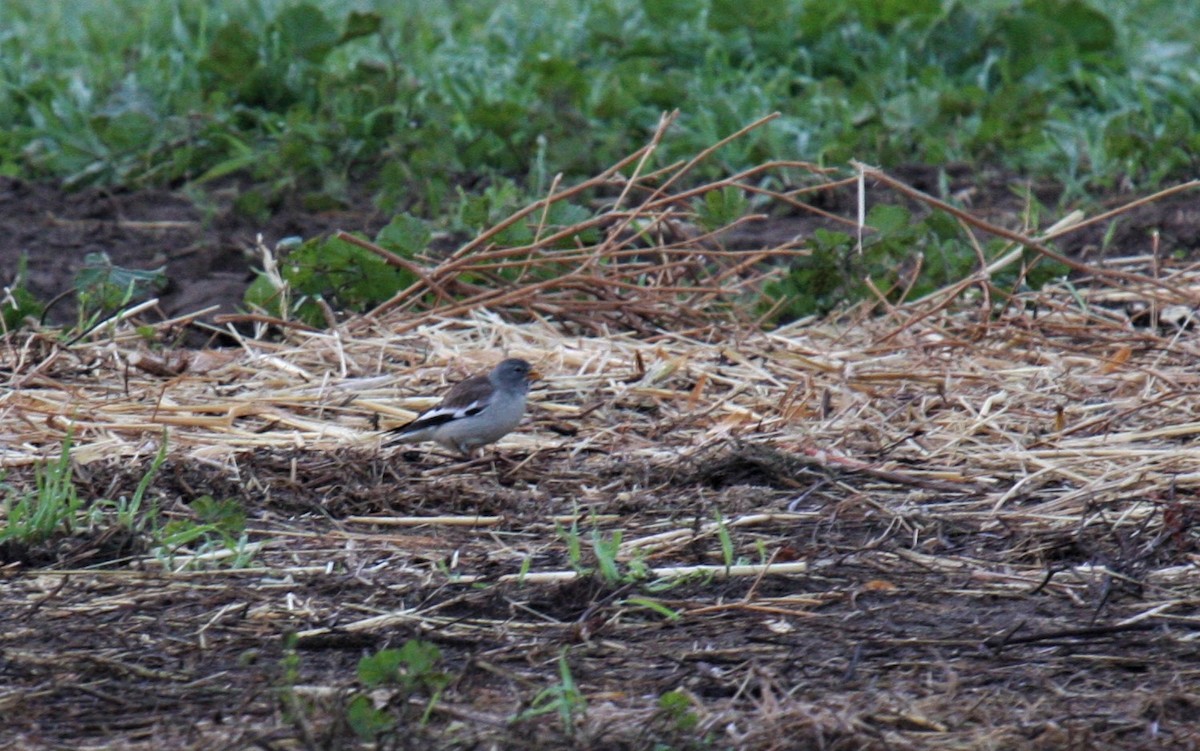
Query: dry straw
x=649 y=352
x=1031 y=419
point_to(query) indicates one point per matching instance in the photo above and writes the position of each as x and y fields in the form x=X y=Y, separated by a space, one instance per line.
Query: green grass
x=408 y=101
x=453 y=115
x=31 y=518
x=51 y=507
x=563 y=698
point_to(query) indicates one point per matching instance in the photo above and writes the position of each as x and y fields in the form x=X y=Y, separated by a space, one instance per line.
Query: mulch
x=967 y=521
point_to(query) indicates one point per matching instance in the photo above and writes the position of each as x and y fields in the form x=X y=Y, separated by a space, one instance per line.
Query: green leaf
x=360 y=24
x=381 y=668
x=232 y=53
x=655 y=605
x=98 y=269
x=262 y=295
x=1091 y=30
x=605 y=550
x=305 y=31
x=20 y=305
x=729 y=15
x=888 y=218
x=253 y=205
x=563 y=215
x=413 y=664
x=420 y=658
x=344 y=275
x=228 y=516
x=180 y=532
x=126 y=131
x=671 y=12
x=884 y=14
x=103 y=286
x=721 y=207
x=367 y=722
x=405 y=235
x=243 y=157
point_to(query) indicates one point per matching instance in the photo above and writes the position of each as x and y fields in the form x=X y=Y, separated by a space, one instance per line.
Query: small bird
x=475 y=412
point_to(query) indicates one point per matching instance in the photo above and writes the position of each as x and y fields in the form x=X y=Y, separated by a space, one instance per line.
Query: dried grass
x=977 y=518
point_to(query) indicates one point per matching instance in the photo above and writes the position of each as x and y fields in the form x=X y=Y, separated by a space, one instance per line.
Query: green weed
x=293 y=706
x=131 y=513
x=412 y=670
x=52 y=507
x=330 y=274
x=563 y=698
x=220 y=527
x=604 y=550
x=378 y=709
x=677 y=707
x=726 y=540
x=574 y=542
x=904 y=257
x=654 y=606
x=411 y=101
x=19 y=306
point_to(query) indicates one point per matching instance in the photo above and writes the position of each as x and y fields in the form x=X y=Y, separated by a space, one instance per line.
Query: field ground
x=964 y=521
x=980 y=529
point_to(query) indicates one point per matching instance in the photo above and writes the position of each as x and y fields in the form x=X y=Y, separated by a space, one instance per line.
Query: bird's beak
x=535 y=375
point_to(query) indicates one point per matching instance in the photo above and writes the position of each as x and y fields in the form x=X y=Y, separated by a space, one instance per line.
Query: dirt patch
x=877 y=645
x=207 y=250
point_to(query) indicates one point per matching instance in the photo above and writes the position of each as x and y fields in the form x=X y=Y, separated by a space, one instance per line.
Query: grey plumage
x=475 y=412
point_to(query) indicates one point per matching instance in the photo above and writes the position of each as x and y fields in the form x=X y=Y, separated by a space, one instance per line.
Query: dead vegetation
x=966 y=521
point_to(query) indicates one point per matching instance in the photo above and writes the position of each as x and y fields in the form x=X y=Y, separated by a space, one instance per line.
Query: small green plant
x=413 y=670
x=18 y=304
x=293 y=707
x=677 y=708
x=407 y=673
x=574 y=543
x=220 y=525
x=764 y=557
x=51 y=508
x=104 y=288
x=563 y=698
x=526 y=565
x=604 y=552
x=904 y=257
x=653 y=605
x=720 y=208
x=330 y=273
x=726 y=540
x=54 y=505
x=367 y=721
x=127 y=512
x=605 y=549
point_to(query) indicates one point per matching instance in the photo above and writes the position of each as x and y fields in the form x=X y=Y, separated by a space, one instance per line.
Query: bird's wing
x=466 y=398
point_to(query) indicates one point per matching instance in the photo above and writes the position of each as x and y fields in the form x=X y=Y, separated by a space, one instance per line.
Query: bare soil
x=912 y=624
x=207 y=250
x=872 y=648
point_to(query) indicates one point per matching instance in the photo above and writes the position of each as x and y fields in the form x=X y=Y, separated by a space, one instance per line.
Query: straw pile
x=956 y=524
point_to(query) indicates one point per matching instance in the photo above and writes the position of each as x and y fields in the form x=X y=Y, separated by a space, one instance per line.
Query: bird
x=475 y=412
